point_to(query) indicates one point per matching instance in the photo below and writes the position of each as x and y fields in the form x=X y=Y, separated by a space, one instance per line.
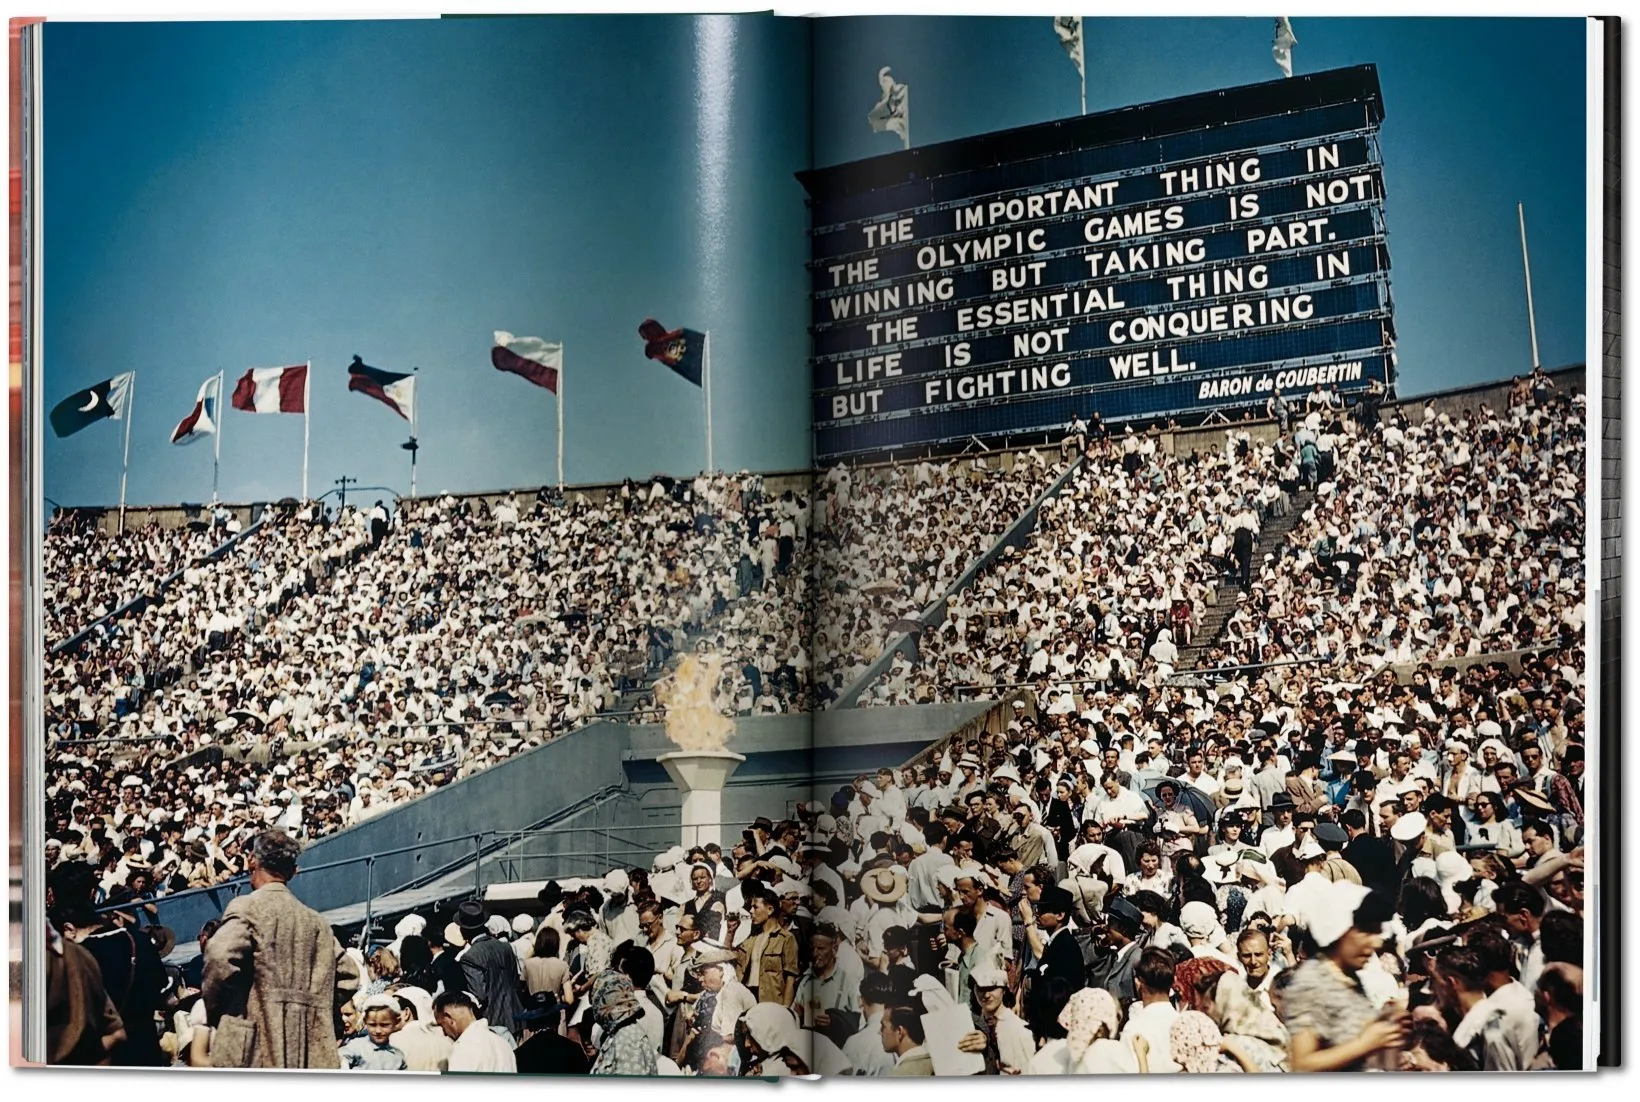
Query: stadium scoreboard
x=1156 y=261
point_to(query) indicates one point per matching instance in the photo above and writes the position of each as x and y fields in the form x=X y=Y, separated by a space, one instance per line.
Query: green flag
x=84 y=407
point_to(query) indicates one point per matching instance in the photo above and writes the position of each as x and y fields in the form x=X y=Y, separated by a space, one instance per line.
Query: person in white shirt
x=923 y=872
x=1522 y=906
x=1150 y=1023
x=864 y=1051
x=1116 y=808
x=424 y=1044
x=891 y=803
x=1196 y=774
x=477 y=1047
x=1500 y=1026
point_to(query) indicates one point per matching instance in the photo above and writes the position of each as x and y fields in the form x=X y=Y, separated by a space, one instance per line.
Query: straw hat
x=886 y=886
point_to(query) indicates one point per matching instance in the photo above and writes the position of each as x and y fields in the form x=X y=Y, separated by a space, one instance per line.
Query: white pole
x=560 y=398
x=415 y=417
x=1084 y=80
x=125 y=458
x=1531 y=314
x=706 y=355
x=216 y=457
x=307 y=407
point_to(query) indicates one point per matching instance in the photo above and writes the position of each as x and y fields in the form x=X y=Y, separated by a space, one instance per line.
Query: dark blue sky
x=220 y=196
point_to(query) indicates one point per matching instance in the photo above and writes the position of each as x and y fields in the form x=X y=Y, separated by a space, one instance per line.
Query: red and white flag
x=201 y=420
x=272 y=390
x=537 y=360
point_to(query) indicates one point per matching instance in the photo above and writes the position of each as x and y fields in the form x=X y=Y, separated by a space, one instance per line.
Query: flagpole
x=125 y=459
x=1526 y=261
x=216 y=458
x=706 y=354
x=415 y=443
x=560 y=397
x=307 y=406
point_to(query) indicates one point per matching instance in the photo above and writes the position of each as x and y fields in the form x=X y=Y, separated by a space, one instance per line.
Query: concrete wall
x=181 y=515
x=527 y=790
x=600 y=794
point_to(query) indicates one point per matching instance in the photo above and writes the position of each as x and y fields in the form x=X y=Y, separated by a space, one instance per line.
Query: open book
x=753 y=546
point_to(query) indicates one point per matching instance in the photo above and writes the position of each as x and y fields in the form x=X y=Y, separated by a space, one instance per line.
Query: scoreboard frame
x=1162 y=261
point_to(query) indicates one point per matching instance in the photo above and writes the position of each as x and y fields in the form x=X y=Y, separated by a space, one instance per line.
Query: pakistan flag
x=107 y=399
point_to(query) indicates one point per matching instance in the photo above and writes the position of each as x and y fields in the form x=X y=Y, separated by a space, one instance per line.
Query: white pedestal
x=700 y=775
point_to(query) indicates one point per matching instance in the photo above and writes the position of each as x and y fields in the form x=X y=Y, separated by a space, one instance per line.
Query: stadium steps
x=1017 y=534
x=1270 y=542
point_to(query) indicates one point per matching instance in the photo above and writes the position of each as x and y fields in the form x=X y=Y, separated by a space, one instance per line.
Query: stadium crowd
x=892 y=540
x=328 y=666
x=89 y=573
x=1116 y=575
x=1442 y=537
x=1365 y=853
x=1273 y=885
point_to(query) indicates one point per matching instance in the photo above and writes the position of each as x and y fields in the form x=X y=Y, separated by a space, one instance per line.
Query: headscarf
x=419 y=998
x=1188 y=976
x=614 y=1001
x=1198 y=921
x=408 y=925
x=1088 y=1010
x=773 y=1027
x=1331 y=914
x=1194 y=1042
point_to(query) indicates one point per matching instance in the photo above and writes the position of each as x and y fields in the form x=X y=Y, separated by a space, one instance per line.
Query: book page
x=426 y=500
x=1203 y=430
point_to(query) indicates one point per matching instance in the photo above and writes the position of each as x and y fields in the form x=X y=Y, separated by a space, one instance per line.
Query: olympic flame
x=689 y=696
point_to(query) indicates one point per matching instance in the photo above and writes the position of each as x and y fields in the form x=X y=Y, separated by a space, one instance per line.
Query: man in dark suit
x=1289 y=860
x=445 y=965
x=490 y=967
x=1060 y=973
x=1372 y=856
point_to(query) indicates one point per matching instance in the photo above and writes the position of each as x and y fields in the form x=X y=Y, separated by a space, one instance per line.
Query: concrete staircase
x=1270 y=541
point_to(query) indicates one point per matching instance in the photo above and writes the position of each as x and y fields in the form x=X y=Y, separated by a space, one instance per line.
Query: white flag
x=1282 y=48
x=1069 y=30
x=893 y=111
x=201 y=420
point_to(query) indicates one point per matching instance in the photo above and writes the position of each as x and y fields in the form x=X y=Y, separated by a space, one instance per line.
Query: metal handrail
x=369 y=859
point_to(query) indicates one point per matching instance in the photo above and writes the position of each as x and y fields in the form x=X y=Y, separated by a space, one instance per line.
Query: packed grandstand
x=1263 y=686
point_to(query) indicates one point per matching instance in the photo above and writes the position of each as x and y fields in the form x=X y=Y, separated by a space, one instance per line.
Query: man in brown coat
x=82 y=1023
x=272 y=970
